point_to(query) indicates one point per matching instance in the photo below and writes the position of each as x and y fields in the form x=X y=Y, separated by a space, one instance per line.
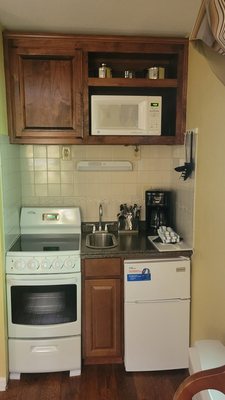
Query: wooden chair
x=208 y=379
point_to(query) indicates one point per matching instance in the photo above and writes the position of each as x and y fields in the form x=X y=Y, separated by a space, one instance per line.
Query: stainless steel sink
x=101 y=240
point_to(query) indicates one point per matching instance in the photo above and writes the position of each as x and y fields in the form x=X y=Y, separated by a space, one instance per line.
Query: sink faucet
x=100 y=217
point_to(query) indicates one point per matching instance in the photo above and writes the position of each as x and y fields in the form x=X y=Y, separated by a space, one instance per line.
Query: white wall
x=11 y=189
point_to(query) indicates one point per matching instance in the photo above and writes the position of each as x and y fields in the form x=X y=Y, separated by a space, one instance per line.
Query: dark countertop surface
x=130 y=245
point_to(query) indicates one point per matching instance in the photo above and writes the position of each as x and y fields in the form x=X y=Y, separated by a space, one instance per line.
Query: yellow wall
x=3 y=115
x=206 y=110
x=3 y=130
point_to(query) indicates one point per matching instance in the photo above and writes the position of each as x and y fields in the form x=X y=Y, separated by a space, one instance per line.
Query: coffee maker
x=157 y=209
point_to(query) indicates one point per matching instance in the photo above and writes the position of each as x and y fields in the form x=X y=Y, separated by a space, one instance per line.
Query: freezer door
x=156 y=279
x=156 y=335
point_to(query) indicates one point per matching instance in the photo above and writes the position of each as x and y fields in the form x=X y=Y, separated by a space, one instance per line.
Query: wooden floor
x=97 y=382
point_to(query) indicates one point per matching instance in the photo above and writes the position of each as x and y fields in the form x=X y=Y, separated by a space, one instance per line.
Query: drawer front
x=50 y=355
x=102 y=267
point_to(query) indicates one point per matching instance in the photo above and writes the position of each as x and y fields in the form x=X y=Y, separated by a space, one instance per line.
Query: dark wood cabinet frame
x=50 y=78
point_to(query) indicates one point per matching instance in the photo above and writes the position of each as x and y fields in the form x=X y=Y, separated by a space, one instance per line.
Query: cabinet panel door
x=46 y=96
x=47 y=93
x=102 y=316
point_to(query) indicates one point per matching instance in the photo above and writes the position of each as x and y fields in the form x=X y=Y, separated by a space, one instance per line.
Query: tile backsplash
x=47 y=179
x=37 y=175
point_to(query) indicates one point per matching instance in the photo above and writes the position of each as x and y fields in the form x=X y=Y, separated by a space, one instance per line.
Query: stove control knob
x=45 y=264
x=19 y=265
x=69 y=263
x=56 y=264
x=33 y=264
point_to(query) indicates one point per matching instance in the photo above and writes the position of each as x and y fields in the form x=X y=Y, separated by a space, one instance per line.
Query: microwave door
x=125 y=115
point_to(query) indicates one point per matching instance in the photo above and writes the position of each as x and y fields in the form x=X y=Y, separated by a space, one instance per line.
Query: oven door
x=43 y=306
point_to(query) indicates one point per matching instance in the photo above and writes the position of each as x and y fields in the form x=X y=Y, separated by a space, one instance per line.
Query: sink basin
x=101 y=240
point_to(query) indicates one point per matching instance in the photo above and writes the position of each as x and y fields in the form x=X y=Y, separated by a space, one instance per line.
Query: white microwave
x=126 y=115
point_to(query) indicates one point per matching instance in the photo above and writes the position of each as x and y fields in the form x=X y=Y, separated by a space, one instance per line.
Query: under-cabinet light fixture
x=96 y=165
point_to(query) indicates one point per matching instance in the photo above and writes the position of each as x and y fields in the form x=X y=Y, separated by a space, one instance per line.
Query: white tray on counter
x=156 y=241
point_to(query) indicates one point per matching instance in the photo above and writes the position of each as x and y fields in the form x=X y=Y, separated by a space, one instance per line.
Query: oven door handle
x=43 y=280
x=43 y=349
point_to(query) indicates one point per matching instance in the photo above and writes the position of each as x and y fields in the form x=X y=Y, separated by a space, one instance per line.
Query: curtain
x=208 y=35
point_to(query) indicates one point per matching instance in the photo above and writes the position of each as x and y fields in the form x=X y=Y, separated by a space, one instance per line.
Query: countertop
x=130 y=245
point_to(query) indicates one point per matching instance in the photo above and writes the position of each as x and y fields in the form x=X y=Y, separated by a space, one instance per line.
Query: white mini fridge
x=156 y=314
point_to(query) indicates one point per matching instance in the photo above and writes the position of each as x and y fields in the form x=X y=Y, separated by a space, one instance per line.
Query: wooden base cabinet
x=102 y=311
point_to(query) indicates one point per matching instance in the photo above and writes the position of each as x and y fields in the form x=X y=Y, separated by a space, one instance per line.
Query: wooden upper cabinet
x=50 y=80
x=138 y=54
x=44 y=91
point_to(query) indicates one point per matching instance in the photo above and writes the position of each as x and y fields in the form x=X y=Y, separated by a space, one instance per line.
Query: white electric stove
x=44 y=292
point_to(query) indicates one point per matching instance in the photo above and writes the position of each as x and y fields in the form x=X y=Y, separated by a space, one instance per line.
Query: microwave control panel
x=154 y=115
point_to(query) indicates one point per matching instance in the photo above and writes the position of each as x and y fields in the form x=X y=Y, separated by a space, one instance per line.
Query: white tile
x=82 y=190
x=67 y=165
x=66 y=190
x=53 y=201
x=41 y=190
x=53 y=151
x=54 y=189
x=143 y=177
x=154 y=164
x=40 y=177
x=39 y=151
x=27 y=177
x=28 y=190
x=32 y=201
x=156 y=152
x=66 y=177
x=53 y=164
x=54 y=177
x=27 y=164
x=40 y=164
x=123 y=177
x=123 y=152
x=78 y=152
x=178 y=151
x=99 y=152
x=26 y=151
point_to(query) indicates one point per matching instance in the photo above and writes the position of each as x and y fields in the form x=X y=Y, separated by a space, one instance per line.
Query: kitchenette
x=112 y=143
x=125 y=188
x=69 y=283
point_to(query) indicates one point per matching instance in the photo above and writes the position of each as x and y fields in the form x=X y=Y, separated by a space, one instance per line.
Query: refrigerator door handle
x=158 y=301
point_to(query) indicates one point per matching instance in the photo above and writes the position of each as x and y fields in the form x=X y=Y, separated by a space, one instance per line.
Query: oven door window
x=43 y=305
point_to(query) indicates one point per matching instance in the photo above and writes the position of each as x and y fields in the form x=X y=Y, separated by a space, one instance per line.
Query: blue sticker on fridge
x=139 y=277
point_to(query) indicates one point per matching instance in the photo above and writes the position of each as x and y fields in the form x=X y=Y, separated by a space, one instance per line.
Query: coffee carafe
x=157 y=209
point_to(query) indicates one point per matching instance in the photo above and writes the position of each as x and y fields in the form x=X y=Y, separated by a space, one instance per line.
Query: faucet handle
x=106 y=226
x=93 y=227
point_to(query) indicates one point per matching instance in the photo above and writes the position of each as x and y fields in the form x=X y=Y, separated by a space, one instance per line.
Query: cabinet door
x=45 y=97
x=102 y=320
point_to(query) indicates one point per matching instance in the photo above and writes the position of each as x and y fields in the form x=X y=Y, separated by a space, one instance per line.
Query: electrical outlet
x=66 y=153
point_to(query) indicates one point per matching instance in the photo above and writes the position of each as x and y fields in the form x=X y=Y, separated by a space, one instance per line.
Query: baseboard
x=3 y=384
